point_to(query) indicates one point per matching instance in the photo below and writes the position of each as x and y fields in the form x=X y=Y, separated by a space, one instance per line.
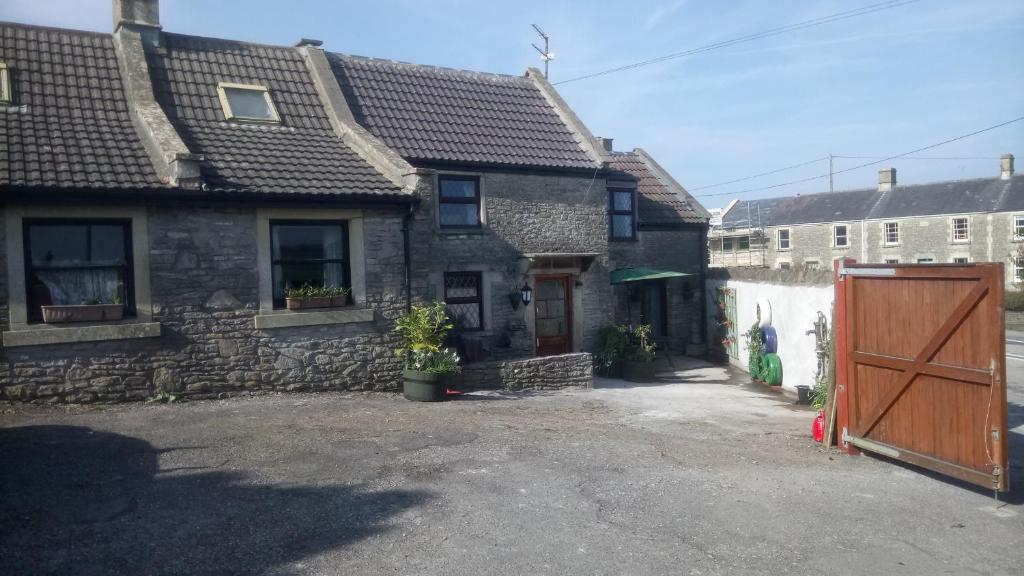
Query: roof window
x=5 y=83
x=247 y=102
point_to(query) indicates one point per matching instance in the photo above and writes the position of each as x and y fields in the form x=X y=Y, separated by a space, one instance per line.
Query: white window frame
x=1018 y=270
x=789 y=239
x=1018 y=227
x=785 y=265
x=835 y=236
x=5 y=83
x=885 y=233
x=892 y=260
x=954 y=260
x=812 y=264
x=952 y=230
x=226 y=104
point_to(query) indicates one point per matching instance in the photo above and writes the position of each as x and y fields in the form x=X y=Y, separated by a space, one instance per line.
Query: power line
x=751 y=37
x=921 y=157
x=866 y=164
x=761 y=174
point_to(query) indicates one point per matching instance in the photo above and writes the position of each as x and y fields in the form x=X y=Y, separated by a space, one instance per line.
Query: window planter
x=82 y=313
x=316 y=302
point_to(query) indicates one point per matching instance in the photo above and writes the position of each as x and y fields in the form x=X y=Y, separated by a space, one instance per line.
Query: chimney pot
x=1006 y=166
x=886 y=179
x=606 y=143
x=308 y=42
x=145 y=13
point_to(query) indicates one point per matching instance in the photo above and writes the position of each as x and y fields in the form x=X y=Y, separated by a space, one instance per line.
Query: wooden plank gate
x=920 y=366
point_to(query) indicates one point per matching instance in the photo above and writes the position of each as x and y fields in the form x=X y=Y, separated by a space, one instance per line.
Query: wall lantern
x=527 y=293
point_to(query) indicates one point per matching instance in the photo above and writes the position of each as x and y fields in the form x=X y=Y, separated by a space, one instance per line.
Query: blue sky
x=875 y=85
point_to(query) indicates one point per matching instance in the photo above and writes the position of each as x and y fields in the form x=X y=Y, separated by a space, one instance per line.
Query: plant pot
x=637 y=371
x=82 y=313
x=423 y=386
x=304 y=303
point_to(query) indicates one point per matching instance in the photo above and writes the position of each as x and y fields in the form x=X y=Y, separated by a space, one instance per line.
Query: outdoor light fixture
x=527 y=293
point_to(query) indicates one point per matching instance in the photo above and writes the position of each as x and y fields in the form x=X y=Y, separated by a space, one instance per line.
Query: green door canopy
x=624 y=275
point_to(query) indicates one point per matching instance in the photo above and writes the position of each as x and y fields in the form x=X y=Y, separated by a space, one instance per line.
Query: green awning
x=624 y=275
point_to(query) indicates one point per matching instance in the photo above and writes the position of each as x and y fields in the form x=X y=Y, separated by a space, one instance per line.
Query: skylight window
x=247 y=102
x=5 y=83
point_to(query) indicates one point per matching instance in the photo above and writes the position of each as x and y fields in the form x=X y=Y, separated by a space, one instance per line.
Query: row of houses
x=960 y=221
x=190 y=182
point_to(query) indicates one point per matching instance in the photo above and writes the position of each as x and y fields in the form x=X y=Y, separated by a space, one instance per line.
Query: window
x=1018 y=270
x=784 y=265
x=5 y=83
x=247 y=102
x=743 y=243
x=961 y=230
x=925 y=260
x=782 y=236
x=892 y=260
x=310 y=252
x=812 y=264
x=892 y=233
x=72 y=261
x=464 y=297
x=727 y=245
x=839 y=237
x=459 y=201
x=620 y=214
x=961 y=260
x=1018 y=227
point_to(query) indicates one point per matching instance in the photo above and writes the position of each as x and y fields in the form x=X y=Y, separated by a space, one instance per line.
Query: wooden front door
x=553 y=314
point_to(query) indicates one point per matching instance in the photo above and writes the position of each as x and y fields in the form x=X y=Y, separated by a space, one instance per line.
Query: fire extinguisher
x=818 y=429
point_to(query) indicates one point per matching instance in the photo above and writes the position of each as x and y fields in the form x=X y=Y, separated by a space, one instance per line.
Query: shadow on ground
x=78 y=501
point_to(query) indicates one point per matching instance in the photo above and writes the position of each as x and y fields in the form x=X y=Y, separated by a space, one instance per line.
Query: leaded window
x=77 y=261
x=463 y=297
x=308 y=253
x=621 y=214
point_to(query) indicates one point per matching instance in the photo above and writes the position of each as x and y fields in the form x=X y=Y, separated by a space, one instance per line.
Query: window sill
x=461 y=231
x=39 y=335
x=288 y=319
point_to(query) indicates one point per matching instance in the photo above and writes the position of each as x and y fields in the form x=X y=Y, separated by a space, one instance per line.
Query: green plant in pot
x=755 y=351
x=610 y=350
x=638 y=364
x=427 y=364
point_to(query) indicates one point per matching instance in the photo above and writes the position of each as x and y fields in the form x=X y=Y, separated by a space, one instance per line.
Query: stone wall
x=678 y=250
x=204 y=292
x=523 y=213
x=544 y=373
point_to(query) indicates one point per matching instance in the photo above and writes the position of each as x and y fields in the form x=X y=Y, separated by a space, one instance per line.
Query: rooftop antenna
x=545 y=54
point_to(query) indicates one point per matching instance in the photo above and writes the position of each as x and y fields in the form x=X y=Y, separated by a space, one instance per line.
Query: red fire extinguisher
x=818 y=429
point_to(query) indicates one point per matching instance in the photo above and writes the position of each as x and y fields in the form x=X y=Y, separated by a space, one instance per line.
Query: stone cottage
x=188 y=182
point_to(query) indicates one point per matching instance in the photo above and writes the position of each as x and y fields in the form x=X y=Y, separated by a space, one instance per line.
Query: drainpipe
x=407 y=257
x=703 y=287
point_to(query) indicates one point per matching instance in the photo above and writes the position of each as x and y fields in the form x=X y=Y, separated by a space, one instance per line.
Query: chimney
x=1006 y=166
x=141 y=13
x=606 y=142
x=886 y=179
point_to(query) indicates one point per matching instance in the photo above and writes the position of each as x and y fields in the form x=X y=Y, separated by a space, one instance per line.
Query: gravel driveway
x=701 y=477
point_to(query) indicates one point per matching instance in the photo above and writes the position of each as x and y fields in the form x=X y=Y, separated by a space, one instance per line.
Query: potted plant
x=308 y=296
x=92 y=310
x=423 y=330
x=610 y=351
x=638 y=365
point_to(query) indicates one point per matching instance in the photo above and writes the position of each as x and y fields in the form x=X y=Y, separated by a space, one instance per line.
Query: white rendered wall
x=794 y=311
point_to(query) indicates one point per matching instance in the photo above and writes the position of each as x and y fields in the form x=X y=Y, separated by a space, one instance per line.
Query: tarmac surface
x=700 y=474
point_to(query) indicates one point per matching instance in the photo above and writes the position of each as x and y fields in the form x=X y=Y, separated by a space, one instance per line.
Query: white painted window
x=784 y=265
x=782 y=238
x=743 y=244
x=5 y=83
x=892 y=260
x=925 y=260
x=247 y=102
x=892 y=233
x=961 y=260
x=1018 y=227
x=812 y=264
x=1018 y=269
x=840 y=239
x=961 y=229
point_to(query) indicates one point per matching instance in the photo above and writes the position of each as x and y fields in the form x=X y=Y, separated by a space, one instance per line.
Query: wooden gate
x=920 y=358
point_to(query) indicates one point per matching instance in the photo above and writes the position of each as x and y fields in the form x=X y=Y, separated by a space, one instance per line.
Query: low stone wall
x=542 y=373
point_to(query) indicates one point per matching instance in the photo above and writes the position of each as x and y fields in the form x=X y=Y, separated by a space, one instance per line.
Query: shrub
x=1014 y=301
x=612 y=341
x=642 y=348
x=423 y=330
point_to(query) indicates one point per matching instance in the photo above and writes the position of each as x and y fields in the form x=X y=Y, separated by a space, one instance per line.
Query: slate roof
x=301 y=155
x=936 y=198
x=68 y=125
x=658 y=202
x=427 y=113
